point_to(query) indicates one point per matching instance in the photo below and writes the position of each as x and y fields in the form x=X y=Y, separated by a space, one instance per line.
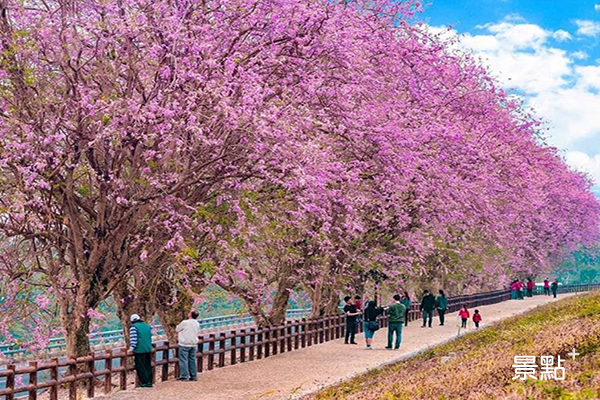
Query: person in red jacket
x=520 y=289
x=464 y=316
x=476 y=318
x=530 y=286
x=547 y=287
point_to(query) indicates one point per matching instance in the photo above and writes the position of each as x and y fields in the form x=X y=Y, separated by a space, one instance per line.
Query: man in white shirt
x=188 y=331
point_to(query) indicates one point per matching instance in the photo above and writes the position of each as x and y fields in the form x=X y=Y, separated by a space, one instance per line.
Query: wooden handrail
x=237 y=346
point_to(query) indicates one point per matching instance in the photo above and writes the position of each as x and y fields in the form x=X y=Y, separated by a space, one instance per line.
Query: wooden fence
x=109 y=370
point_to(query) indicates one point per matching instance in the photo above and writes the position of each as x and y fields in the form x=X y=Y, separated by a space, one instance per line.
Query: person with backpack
x=441 y=303
x=370 y=324
x=427 y=307
x=407 y=304
x=395 y=314
x=140 y=342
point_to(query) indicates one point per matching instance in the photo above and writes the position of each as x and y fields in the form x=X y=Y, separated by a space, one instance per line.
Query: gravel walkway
x=292 y=375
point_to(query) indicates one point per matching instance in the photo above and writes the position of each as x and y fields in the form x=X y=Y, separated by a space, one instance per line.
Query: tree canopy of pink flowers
x=149 y=148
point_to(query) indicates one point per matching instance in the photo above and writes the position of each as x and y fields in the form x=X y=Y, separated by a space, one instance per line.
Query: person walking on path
x=464 y=316
x=351 y=314
x=547 y=287
x=370 y=324
x=442 y=305
x=520 y=289
x=554 y=287
x=530 y=286
x=187 y=332
x=407 y=304
x=476 y=318
x=140 y=342
x=395 y=314
x=427 y=307
x=514 y=289
x=358 y=305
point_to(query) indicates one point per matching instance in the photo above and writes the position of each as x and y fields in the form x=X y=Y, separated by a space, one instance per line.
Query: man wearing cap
x=140 y=342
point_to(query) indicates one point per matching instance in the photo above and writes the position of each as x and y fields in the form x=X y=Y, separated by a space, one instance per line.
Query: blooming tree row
x=150 y=148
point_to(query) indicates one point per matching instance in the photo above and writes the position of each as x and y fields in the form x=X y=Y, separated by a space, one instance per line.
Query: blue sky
x=548 y=52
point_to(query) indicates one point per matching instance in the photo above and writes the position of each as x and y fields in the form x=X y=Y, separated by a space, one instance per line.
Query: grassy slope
x=482 y=368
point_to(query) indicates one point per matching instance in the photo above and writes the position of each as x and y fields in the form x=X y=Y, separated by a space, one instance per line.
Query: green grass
x=482 y=368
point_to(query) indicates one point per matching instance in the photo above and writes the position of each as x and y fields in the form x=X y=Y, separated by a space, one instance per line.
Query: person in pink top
x=530 y=286
x=547 y=287
x=514 y=290
x=464 y=316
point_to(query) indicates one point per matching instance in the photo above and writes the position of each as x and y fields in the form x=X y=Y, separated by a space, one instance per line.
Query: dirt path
x=291 y=375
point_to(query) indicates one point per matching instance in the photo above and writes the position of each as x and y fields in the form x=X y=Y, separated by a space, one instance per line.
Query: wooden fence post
x=275 y=338
x=10 y=381
x=252 y=338
x=211 y=352
x=295 y=328
x=199 y=355
x=54 y=378
x=73 y=383
x=123 y=375
x=243 y=346
x=108 y=366
x=259 y=345
x=33 y=380
x=267 y=342
x=91 y=367
x=222 y=349
x=233 y=347
x=303 y=329
x=153 y=363
x=164 y=373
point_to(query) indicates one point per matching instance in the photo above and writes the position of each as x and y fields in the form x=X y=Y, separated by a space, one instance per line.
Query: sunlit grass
x=482 y=367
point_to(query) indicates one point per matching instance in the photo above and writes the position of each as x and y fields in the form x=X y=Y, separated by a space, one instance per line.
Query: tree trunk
x=74 y=318
x=171 y=315
x=325 y=301
x=78 y=340
x=132 y=300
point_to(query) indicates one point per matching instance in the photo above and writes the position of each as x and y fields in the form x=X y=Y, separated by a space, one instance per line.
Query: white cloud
x=516 y=53
x=561 y=35
x=583 y=162
x=597 y=7
x=587 y=27
x=580 y=55
x=564 y=94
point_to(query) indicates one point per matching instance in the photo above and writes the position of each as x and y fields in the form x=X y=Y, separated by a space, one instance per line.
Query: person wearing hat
x=140 y=342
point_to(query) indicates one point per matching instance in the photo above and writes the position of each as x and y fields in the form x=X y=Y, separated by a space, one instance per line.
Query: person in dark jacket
x=427 y=307
x=395 y=314
x=351 y=314
x=554 y=287
x=407 y=304
x=441 y=303
x=369 y=317
x=140 y=342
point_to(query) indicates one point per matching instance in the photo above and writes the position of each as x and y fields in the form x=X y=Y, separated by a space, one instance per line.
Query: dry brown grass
x=482 y=367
